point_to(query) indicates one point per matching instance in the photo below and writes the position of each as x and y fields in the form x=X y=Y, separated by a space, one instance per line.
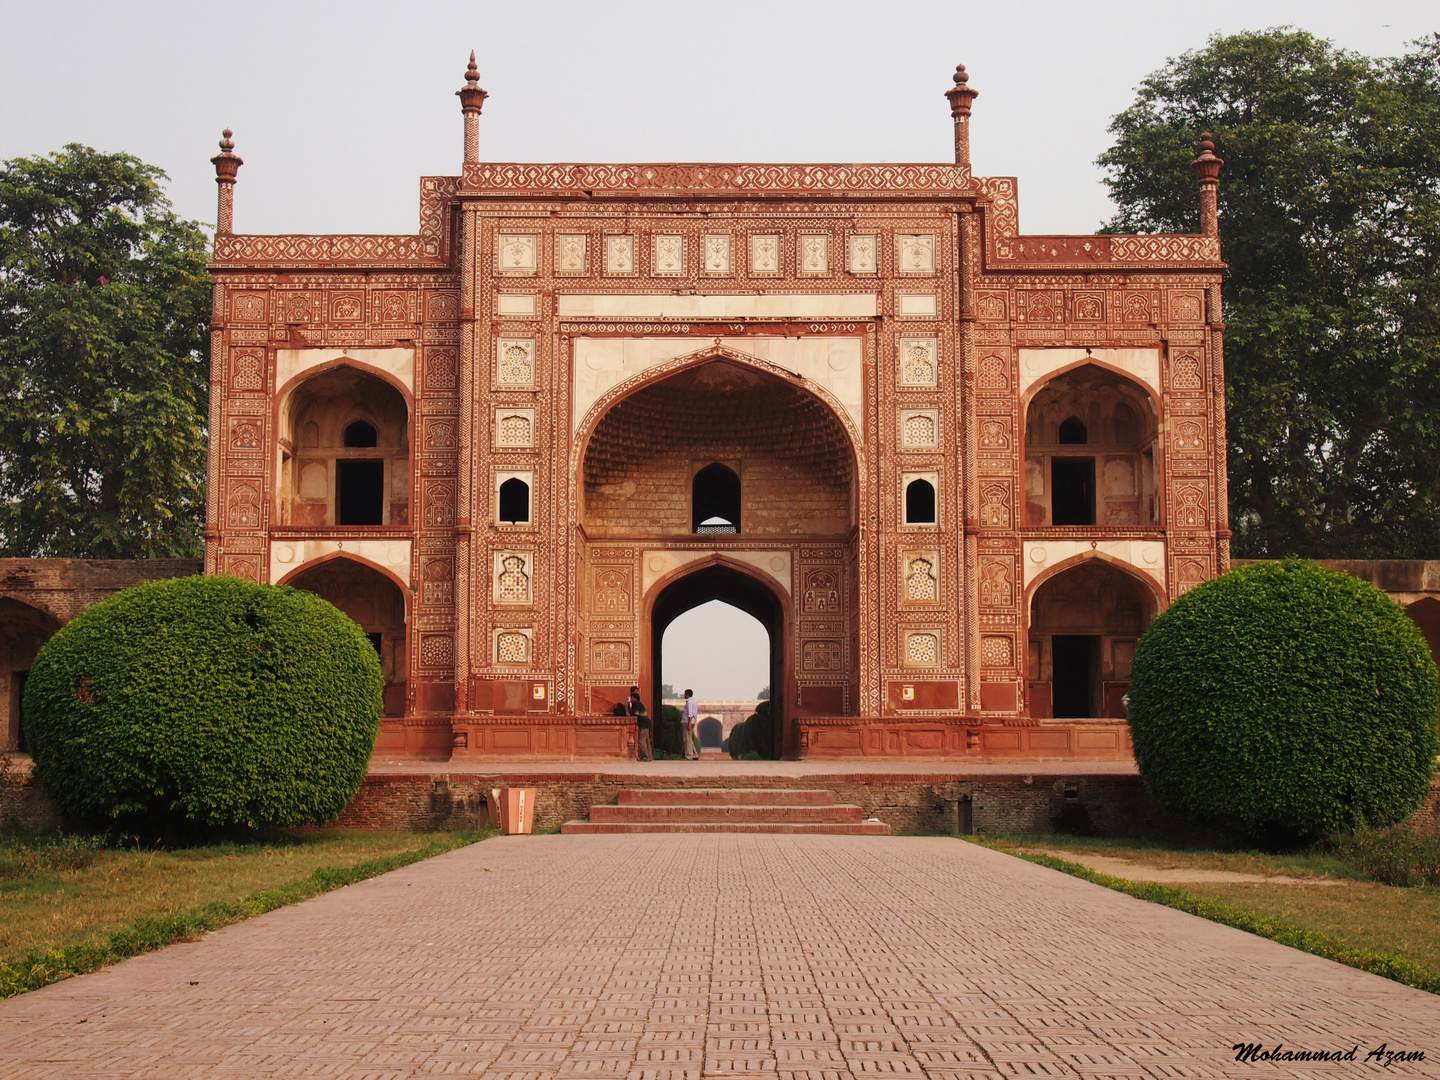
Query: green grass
x=1388 y=931
x=71 y=906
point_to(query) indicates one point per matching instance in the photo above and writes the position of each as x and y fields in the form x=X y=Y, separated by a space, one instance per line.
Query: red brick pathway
x=656 y=957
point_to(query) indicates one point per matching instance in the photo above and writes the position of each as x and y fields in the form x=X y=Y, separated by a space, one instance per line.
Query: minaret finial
x=472 y=98
x=961 y=97
x=1206 y=168
x=227 y=164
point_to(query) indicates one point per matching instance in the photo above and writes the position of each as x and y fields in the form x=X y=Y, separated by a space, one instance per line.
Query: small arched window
x=514 y=501
x=920 y=503
x=1073 y=432
x=360 y=434
x=715 y=500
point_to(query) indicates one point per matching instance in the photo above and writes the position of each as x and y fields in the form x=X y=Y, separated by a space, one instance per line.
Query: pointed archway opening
x=739 y=590
x=377 y=604
x=1084 y=624
x=23 y=630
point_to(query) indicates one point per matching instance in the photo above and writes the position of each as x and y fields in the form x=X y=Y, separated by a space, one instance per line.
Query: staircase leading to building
x=751 y=810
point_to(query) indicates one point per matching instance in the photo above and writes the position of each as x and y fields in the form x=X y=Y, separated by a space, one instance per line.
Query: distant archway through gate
x=719 y=581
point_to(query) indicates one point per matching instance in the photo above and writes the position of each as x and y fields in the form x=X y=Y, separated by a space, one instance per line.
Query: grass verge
x=145 y=934
x=1386 y=965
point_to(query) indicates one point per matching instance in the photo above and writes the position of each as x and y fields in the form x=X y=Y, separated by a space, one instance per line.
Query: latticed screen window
x=923 y=648
x=512 y=648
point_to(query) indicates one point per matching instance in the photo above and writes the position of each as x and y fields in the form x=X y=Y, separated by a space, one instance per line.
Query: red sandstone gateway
x=954 y=470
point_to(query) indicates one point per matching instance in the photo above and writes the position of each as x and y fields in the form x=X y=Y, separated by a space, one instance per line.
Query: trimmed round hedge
x=207 y=700
x=1285 y=701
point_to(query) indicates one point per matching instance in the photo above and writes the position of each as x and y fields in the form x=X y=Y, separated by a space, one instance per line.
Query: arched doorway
x=23 y=630
x=712 y=733
x=1090 y=446
x=718 y=581
x=1425 y=612
x=345 y=451
x=377 y=604
x=1084 y=623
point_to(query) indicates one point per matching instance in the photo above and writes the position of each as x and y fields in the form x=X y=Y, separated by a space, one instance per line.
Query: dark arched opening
x=715 y=500
x=719 y=582
x=1073 y=433
x=514 y=501
x=919 y=503
x=712 y=733
x=1084 y=624
x=361 y=434
x=23 y=630
x=377 y=604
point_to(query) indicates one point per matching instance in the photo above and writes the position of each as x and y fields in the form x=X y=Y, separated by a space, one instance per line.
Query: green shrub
x=752 y=736
x=670 y=732
x=1285 y=701
x=206 y=700
x=1392 y=856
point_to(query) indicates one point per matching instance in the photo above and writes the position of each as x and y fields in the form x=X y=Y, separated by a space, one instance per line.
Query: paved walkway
x=718 y=956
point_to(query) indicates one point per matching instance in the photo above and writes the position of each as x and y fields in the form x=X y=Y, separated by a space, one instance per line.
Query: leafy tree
x=1330 y=222
x=104 y=313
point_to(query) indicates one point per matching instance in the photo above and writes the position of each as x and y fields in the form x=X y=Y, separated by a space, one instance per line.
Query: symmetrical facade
x=953 y=470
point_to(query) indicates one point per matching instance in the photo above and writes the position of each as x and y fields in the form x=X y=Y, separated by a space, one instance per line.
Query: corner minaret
x=471 y=99
x=226 y=165
x=961 y=98
x=1206 y=168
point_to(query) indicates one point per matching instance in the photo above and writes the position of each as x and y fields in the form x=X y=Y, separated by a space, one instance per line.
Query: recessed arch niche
x=790 y=453
x=344 y=451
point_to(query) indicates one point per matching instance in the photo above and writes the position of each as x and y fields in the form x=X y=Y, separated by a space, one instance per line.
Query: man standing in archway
x=691 y=715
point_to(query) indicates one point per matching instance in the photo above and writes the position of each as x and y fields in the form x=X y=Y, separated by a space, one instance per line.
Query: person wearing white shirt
x=691 y=716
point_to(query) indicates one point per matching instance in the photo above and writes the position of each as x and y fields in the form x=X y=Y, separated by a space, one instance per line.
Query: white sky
x=339 y=108
x=718 y=651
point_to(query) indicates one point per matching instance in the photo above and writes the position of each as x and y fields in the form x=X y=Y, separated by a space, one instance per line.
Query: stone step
x=725 y=796
x=720 y=813
x=854 y=828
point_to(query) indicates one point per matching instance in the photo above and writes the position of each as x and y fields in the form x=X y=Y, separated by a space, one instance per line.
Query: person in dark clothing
x=644 y=730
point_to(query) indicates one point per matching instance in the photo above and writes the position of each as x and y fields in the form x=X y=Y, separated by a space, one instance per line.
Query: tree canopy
x=1330 y=223
x=104 y=316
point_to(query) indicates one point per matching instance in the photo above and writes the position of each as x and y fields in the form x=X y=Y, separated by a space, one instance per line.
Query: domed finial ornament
x=472 y=98
x=961 y=97
x=1206 y=168
x=227 y=164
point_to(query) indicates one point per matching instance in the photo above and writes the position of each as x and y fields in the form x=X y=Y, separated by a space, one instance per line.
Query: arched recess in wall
x=373 y=600
x=24 y=628
x=734 y=584
x=1425 y=612
x=1092 y=451
x=344 y=450
x=712 y=733
x=791 y=453
x=1085 y=617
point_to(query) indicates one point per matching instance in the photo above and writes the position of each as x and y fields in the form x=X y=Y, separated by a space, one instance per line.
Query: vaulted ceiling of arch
x=722 y=411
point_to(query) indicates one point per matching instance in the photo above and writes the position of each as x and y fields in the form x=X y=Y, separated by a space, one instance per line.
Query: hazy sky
x=339 y=108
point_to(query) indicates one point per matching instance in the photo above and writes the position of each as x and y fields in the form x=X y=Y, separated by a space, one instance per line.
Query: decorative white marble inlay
x=916 y=361
x=619 y=254
x=517 y=254
x=524 y=304
x=717 y=253
x=864 y=253
x=668 y=258
x=917 y=305
x=915 y=254
x=515 y=362
x=512 y=577
x=813 y=250
x=919 y=429
x=570 y=253
x=765 y=253
x=514 y=427
x=922 y=649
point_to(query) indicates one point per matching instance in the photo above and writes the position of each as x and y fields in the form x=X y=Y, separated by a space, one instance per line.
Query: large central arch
x=734 y=585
